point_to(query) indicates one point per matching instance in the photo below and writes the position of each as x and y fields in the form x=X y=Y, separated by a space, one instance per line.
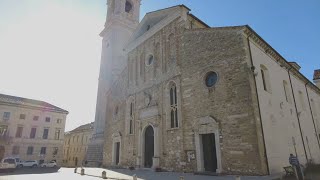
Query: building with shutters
x=76 y=145
x=31 y=129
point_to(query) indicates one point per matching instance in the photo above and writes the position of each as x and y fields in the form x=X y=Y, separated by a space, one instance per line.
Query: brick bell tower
x=122 y=19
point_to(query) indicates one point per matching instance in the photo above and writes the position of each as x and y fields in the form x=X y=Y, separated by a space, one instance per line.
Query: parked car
x=51 y=164
x=8 y=164
x=31 y=164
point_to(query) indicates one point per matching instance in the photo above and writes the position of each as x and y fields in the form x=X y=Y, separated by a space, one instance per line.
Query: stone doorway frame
x=116 y=138
x=206 y=125
x=156 y=157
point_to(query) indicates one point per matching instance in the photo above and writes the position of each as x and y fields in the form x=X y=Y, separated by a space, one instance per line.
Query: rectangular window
x=59 y=121
x=33 y=133
x=45 y=133
x=301 y=98
x=35 y=118
x=22 y=116
x=55 y=151
x=57 y=134
x=6 y=116
x=313 y=108
x=47 y=119
x=30 y=150
x=286 y=91
x=19 y=132
x=15 y=150
x=43 y=150
x=264 y=80
x=3 y=130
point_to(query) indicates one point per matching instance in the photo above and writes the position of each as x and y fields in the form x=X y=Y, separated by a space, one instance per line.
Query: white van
x=8 y=164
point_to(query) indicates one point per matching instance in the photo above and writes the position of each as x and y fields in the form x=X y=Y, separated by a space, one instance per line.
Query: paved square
x=117 y=174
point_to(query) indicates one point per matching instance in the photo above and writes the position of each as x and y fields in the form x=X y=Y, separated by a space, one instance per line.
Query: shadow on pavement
x=19 y=171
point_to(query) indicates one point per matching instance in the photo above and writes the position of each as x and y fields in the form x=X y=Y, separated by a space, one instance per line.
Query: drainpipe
x=314 y=124
x=295 y=105
x=255 y=85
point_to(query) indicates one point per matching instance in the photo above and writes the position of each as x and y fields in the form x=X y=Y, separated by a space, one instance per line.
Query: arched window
x=128 y=6
x=173 y=107
x=265 y=78
x=131 y=118
x=150 y=60
x=286 y=91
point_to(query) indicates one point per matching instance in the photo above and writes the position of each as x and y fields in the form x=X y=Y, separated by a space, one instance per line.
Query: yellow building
x=76 y=145
x=31 y=129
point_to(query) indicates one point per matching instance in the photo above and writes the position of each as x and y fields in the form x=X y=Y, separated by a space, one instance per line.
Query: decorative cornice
x=34 y=108
x=251 y=34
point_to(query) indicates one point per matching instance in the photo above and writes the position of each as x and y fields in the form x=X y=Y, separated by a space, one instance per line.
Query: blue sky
x=50 y=49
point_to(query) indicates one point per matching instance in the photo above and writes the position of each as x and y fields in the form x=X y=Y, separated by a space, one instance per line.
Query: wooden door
x=209 y=152
x=117 y=153
x=149 y=147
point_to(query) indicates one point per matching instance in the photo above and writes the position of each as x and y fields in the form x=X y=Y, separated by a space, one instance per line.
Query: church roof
x=154 y=21
x=151 y=19
x=180 y=5
x=25 y=102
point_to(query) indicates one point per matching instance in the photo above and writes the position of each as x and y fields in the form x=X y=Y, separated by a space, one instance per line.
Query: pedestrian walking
x=294 y=161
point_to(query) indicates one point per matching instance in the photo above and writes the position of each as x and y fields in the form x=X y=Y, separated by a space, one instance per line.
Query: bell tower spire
x=122 y=19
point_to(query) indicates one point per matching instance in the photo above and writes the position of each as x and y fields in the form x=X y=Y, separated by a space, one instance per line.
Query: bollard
x=134 y=177
x=75 y=170
x=104 y=175
x=181 y=178
x=82 y=172
x=238 y=178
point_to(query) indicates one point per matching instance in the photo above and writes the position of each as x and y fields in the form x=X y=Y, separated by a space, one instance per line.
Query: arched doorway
x=149 y=147
x=2 y=151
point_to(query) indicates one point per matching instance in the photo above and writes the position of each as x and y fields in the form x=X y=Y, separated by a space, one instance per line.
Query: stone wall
x=146 y=86
x=230 y=102
x=184 y=57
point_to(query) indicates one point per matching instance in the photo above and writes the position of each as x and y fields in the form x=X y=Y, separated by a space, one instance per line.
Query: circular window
x=211 y=79
x=150 y=60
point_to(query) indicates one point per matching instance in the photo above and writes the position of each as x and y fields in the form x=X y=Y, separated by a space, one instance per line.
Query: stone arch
x=129 y=6
x=155 y=159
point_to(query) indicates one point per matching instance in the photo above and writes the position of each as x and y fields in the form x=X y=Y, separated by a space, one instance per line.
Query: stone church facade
x=182 y=96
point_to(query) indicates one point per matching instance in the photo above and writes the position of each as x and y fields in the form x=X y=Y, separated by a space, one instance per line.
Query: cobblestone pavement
x=116 y=174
